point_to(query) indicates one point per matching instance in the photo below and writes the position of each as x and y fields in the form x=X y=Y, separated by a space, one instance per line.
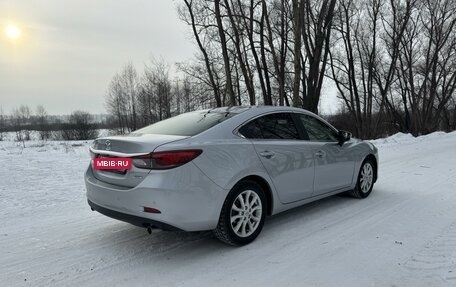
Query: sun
x=13 y=32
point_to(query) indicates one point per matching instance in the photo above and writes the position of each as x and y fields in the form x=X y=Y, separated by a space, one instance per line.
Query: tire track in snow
x=126 y=241
x=435 y=263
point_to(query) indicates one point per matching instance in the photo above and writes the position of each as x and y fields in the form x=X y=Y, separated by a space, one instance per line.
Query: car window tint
x=188 y=124
x=272 y=126
x=251 y=130
x=317 y=130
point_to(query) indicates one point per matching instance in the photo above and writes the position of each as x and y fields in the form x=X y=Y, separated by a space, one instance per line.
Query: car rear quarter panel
x=227 y=161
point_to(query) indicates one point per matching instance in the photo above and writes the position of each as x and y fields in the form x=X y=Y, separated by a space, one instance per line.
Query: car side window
x=317 y=130
x=271 y=126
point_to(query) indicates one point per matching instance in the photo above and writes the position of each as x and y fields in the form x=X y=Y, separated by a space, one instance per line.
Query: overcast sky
x=69 y=50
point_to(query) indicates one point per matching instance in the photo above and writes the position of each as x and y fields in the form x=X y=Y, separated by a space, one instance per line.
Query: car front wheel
x=243 y=214
x=365 y=181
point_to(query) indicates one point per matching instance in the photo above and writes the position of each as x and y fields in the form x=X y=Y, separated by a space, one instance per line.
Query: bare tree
x=2 y=123
x=279 y=29
x=21 y=122
x=187 y=95
x=116 y=103
x=190 y=14
x=158 y=89
x=240 y=48
x=252 y=23
x=226 y=60
x=364 y=58
x=259 y=45
x=354 y=60
x=121 y=98
x=183 y=96
x=298 y=9
x=235 y=45
x=42 y=123
x=316 y=32
x=129 y=82
x=79 y=127
x=195 y=74
x=427 y=69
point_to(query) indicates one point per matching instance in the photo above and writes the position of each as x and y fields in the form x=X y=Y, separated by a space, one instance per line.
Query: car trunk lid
x=127 y=146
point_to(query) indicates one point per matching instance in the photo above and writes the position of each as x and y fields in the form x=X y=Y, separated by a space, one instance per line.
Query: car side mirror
x=343 y=136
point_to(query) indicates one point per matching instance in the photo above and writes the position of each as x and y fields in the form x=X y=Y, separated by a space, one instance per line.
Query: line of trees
x=134 y=100
x=392 y=63
x=273 y=52
x=393 y=59
x=22 y=121
x=396 y=58
x=247 y=57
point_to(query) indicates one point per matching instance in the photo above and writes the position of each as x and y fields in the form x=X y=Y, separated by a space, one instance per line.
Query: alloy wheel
x=367 y=176
x=246 y=212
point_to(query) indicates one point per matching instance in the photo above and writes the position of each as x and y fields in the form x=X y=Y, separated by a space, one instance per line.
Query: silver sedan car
x=226 y=169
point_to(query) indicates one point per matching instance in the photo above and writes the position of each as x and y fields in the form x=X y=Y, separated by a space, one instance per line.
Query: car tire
x=240 y=223
x=365 y=181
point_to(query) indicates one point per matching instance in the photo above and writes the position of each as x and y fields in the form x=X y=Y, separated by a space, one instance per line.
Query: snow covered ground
x=404 y=234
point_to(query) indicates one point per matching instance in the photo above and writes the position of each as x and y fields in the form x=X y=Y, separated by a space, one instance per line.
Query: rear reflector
x=151 y=210
x=165 y=159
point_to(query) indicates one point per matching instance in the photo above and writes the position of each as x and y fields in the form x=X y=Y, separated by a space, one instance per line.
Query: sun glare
x=12 y=32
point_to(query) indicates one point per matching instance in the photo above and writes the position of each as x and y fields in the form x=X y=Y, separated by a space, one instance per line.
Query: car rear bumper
x=132 y=219
x=186 y=198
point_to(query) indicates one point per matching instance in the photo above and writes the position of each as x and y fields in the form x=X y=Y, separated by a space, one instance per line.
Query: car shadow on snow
x=135 y=243
x=182 y=254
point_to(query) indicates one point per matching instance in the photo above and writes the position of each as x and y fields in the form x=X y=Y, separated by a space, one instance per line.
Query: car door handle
x=267 y=154
x=320 y=153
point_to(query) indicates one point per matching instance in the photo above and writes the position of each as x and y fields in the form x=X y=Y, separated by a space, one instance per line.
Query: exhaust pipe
x=149 y=229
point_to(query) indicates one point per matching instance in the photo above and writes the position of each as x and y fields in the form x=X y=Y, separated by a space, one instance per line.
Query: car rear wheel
x=243 y=214
x=365 y=181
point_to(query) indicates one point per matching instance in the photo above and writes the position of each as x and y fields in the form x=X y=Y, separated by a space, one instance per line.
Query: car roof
x=257 y=108
x=244 y=114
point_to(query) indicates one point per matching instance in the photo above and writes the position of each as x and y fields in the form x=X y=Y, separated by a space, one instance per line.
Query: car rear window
x=189 y=124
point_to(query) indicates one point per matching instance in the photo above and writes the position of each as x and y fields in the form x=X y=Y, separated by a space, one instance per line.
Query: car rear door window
x=271 y=126
x=317 y=130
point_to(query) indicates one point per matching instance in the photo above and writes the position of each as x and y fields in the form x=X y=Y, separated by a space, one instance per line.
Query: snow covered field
x=404 y=234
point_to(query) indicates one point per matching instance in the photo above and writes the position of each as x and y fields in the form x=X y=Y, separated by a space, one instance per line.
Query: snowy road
x=404 y=234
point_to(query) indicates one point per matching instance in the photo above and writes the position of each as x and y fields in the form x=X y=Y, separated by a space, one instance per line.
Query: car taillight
x=165 y=159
